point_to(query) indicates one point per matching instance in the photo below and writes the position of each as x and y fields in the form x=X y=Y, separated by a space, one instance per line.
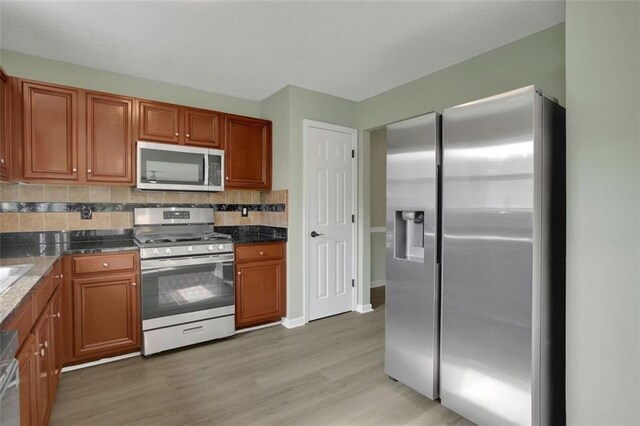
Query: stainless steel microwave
x=179 y=168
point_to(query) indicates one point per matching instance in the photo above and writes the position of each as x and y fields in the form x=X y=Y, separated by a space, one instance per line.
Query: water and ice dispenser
x=409 y=235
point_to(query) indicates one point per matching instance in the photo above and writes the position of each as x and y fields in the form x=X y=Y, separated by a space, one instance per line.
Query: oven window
x=171 y=167
x=183 y=289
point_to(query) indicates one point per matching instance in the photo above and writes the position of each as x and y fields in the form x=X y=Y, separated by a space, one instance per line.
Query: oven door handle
x=185 y=261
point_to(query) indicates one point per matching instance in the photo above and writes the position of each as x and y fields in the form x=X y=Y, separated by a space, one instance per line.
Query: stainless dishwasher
x=9 y=380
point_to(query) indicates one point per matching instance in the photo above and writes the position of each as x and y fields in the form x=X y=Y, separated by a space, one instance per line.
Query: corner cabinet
x=247 y=153
x=37 y=322
x=260 y=284
x=50 y=131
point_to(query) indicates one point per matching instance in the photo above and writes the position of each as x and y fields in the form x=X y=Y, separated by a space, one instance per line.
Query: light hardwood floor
x=329 y=372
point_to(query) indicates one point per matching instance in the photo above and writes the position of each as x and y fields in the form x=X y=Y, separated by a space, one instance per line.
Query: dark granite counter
x=251 y=234
x=54 y=243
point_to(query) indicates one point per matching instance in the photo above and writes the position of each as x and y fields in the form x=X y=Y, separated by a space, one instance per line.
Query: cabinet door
x=159 y=122
x=247 y=152
x=5 y=119
x=202 y=128
x=50 y=131
x=109 y=138
x=42 y=332
x=56 y=339
x=105 y=315
x=28 y=399
x=260 y=292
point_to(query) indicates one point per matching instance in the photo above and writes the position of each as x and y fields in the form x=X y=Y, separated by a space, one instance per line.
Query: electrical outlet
x=86 y=212
x=245 y=211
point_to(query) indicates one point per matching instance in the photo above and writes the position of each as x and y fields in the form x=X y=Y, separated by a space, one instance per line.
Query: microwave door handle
x=206 y=171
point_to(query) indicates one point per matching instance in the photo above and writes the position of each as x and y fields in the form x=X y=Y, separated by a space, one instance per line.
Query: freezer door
x=488 y=258
x=412 y=284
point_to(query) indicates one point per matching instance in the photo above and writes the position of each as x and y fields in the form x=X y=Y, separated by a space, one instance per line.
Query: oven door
x=180 y=290
x=172 y=167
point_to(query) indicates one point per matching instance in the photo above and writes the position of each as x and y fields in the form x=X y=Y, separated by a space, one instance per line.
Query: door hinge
x=353 y=218
x=353 y=153
x=353 y=283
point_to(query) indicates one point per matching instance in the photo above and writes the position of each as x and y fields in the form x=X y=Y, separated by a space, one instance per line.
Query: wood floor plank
x=329 y=372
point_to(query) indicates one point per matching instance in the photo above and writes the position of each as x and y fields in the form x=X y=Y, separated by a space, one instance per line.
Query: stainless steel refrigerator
x=503 y=257
x=412 y=281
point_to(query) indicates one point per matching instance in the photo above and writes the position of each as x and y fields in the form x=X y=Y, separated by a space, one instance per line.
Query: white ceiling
x=352 y=49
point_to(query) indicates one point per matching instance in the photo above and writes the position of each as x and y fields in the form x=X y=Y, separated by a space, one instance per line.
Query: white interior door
x=330 y=236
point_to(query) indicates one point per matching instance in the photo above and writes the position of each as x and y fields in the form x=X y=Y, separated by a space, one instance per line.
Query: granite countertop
x=254 y=234
x=10 y=300
x=42 y=249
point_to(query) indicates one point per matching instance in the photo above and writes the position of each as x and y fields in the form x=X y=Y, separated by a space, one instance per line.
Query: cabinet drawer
x=91 y=264
x=254 y=252
x=42 y=295
x=22 y=321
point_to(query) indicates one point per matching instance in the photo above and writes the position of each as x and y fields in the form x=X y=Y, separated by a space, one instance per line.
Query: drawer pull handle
x=39 y=353
x=105 y=264
x=46 y=344
x=192 y=330
x=56 y=315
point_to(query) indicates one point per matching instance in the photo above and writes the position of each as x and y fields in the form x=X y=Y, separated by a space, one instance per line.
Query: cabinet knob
x=133 y=284
x=39 y=353
x=56 y=315
x=176 y=134
x=105 y=265
x=188 y=135
x=88 y=170
x=227 y=178
x=1 y=160
x=261 y=253
x=74 y=170
x=46 y=344
x=239 y=272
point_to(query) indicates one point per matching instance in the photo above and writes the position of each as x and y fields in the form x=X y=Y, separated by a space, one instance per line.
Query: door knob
x=315 y=234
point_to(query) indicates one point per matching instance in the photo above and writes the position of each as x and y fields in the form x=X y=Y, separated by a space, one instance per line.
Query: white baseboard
x=98 y=362
x=293 y=322
x=258 y=327
x=363 y=309
x=379 y=283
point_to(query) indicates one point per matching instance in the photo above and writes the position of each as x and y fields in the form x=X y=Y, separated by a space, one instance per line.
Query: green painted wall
x=538 y=58
x=603 y=213
x=378 y=202
x=276 y=108
x=41 y=69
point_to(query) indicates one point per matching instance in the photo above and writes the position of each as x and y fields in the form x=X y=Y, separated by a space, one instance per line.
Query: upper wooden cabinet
x=247 y=152
x=168 y=123
x=53 y=133
x=5 y=129
x=109 y=138
x=202 y=128
x=50 y=132
x=159 y=122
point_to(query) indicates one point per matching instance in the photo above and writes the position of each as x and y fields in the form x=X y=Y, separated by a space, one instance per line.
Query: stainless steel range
x=187 y=278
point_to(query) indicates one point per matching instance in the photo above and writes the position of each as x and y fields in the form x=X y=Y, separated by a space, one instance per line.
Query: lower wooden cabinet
x=260 y=285
x=28 y=402
x=105 y=315
x=44 y=348
x=101 y=306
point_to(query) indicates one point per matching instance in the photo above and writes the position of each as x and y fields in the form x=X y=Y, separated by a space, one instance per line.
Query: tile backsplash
x=25 y=208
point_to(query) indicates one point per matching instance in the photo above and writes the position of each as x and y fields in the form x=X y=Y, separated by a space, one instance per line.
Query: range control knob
x=167 y=251
x=189 y=249
x=220 y=247
x=210 y=247
x=155 y=252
